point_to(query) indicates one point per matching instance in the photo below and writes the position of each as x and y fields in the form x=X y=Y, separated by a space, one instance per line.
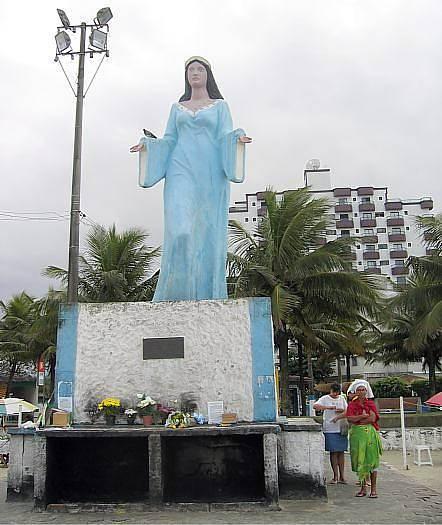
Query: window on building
x=379 y=214
x=368 y=231
x=354 y=198
x=358 y=246
x=382 y=246
x=405 y=212
x=384 y=263
x=381 y=230
x=395 y=214
x=409 y=244
x=345 y=233
x=407 y=228
x=365 y=199
x=357 y=230
x=355 y=214
x=367 y=215
x=397 y=246
x=330 y=232
x=246 y=219
x=399 y=262
x=343 y=200
x=253 y=203
x=401 y=280
x=354 y=361
x=343 y=215
x=254 y=219
x=371 y=264
x=370 y=247
x=396 y=230
x=359 y=263
x=380 y=198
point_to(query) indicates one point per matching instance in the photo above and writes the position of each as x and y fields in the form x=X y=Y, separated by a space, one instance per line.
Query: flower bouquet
x=178 y=420
x=110 y=407
x=147 y=408
x=130 y=414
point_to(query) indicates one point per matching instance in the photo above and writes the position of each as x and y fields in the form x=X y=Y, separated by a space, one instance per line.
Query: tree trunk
x=348 y=367
x=309 y=364
x=338 y=366
x=52 y=363
x=282 y=341
x=301 y=379
x=432 y=375
x=12 y=372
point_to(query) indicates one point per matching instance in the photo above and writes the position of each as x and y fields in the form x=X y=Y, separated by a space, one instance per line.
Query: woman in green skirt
x=365 y=443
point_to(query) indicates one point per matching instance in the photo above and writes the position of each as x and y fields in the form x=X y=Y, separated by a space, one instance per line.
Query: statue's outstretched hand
x=245 y=139
x=137 y=148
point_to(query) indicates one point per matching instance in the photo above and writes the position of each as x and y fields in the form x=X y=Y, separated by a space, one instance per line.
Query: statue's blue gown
x=198 y=156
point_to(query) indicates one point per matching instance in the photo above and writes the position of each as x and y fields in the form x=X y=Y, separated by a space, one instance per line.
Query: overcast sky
x=356 y=84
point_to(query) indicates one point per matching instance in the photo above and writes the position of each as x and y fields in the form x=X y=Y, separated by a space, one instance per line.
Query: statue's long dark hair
x=212 y=88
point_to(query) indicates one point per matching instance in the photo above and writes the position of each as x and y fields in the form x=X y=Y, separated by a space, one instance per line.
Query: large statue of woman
x=199 y=155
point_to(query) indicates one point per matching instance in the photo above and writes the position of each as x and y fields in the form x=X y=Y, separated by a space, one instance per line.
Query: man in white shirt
x=335 y=443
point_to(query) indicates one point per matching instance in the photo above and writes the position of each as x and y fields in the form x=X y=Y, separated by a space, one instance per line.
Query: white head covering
x=360 y=382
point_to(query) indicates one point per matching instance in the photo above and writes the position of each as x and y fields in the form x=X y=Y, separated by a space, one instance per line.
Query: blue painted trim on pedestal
x=66 y=350
x=263 y=373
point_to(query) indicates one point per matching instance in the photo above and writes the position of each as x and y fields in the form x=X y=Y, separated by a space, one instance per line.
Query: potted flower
x=130 y=414
x=110 y=407
x=147 y=408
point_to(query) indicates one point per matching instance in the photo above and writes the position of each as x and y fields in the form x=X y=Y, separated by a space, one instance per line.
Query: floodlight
x=64 y=18
x=104 y=15
x=63 y=41
x=98 y=39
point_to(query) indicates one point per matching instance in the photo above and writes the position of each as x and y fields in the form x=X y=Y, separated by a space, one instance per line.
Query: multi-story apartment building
x=385 y=226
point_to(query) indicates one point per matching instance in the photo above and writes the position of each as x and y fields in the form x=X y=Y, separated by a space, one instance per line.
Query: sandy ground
x=426 y=475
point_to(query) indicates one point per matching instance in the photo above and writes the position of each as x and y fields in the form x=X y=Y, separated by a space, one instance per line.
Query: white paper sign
x=215 y=410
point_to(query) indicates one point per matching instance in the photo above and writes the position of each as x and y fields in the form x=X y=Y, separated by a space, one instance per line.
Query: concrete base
x=216 y=466
x=202 y=350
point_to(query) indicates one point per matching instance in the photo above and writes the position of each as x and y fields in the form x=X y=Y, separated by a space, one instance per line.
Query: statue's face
x=197 y=75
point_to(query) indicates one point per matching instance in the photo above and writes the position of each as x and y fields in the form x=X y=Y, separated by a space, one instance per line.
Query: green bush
x=422 y=388
x=391 y=387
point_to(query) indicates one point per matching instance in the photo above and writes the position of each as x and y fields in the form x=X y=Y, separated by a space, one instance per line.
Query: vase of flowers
x=130 y=414
x=110 y=408
x=147 y=408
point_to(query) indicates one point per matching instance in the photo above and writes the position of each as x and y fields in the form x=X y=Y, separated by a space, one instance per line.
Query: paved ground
x=402 y=499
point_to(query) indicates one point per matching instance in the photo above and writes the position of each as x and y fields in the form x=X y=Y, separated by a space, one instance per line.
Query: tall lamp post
x=97 y=45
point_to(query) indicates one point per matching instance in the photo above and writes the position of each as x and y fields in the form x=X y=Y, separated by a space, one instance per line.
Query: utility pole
x=98 y=44
x=74 y=230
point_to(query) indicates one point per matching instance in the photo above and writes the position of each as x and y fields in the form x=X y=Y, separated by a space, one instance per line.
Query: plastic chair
x=418 y=449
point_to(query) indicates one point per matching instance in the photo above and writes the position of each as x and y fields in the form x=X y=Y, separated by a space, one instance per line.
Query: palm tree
x=15 y=324
x=114 y=267
x=414 y=316
x=305 y=281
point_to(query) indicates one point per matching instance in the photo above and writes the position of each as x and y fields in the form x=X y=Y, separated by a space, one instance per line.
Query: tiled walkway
x=401 y=500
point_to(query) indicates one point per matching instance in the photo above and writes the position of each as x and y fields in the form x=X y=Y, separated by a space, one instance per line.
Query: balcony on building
x=398 y=254
x=428 y=236
x=431 y=251
x=320 y=241
x=369 y=239
x=393 y=205
x=342 y=192
x=396 y=237
x=260 y=195
x=395 y=221
x=344 y=223
x=342 y=208
x=399 y=270
x=365 y=190
x=427 y=203
x=370 y=254
x=366 y=206
x=234 y=209
x=368 y=223
x=375 y=270
x=262 y=212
